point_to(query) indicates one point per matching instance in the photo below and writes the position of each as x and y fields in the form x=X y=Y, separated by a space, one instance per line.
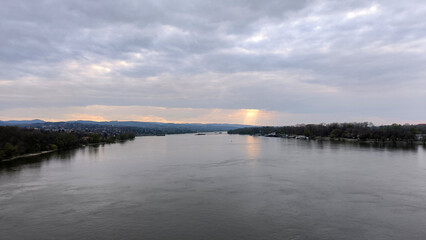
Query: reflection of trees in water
x=16 y=165
x=388 y=146
x=339 y=145
x=399 y=146
x=124 y=142
x=93 y=150
x=320 y=144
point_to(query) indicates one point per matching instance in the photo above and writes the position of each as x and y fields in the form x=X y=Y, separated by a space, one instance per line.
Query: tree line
x=15 y=141
x=360 y=131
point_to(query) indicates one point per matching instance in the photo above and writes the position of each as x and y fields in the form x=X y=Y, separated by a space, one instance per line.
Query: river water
x=216 y=187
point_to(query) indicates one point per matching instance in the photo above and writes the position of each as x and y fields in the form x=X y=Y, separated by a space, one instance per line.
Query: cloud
x=362 y=12
x=321 y=58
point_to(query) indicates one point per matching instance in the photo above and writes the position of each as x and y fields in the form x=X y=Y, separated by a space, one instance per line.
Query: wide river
x=216 y=187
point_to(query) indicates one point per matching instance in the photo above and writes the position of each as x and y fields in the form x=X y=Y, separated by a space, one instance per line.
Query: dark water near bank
x=217 y=187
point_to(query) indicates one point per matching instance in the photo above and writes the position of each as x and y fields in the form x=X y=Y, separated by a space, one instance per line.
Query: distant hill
x=20 y=122
x=157 y=126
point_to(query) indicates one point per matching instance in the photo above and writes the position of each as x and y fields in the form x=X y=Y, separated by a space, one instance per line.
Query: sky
x=255 y=62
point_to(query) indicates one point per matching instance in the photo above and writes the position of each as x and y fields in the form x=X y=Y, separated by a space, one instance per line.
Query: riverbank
x=18 y=142
x=50 y=151
x=353 y=140
x=367 y=132
x=27 y=155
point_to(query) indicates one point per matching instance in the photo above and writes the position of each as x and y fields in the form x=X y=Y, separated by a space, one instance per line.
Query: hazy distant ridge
x=148 y=125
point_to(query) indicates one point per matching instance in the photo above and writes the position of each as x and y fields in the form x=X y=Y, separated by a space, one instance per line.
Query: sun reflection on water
x=252 y=147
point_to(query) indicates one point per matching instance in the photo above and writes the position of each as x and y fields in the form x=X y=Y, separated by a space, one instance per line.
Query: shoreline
x=50 y=151
x=352 y=140
x=315 y=139
x=27 y=155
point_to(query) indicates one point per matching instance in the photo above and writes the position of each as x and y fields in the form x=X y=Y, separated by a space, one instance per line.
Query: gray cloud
x=323 y=57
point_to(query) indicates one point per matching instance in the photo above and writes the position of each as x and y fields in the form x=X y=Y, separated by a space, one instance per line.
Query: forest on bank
x=15 y=141
x=360 y=131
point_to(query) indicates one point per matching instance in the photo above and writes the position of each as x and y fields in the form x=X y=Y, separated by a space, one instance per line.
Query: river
x=216 y=186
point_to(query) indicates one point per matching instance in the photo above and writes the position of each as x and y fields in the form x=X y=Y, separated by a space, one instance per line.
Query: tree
x=307 y=132
x=10 y=150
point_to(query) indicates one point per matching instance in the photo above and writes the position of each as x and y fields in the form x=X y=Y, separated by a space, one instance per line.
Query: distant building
x=420 y=137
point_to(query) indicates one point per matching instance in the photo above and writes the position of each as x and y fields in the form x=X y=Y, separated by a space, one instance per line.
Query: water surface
x=216 y=187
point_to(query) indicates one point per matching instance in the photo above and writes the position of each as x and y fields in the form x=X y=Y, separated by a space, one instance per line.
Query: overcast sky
x=257 y=62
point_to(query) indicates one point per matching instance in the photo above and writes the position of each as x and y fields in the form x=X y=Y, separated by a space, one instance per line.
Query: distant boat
x=200 y=134
x=302 y=137
x=273 y=134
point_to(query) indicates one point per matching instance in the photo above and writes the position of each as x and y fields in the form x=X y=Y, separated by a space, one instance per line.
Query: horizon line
x=169 y=122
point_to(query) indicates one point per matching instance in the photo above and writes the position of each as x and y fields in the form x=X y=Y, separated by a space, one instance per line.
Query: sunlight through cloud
x=251 y=116
x=362 y=12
